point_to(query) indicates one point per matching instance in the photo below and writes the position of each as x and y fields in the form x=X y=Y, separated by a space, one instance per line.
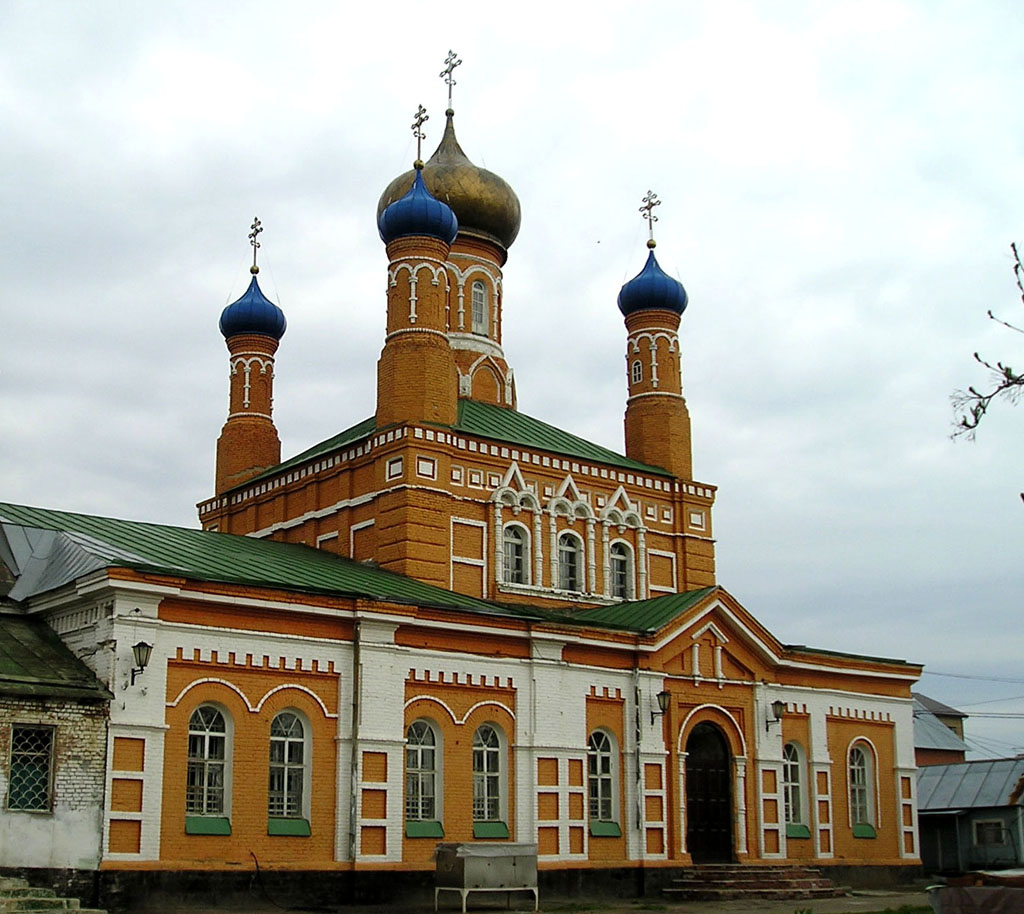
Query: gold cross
x=450 y=63
x=417 y=131
x=650 y=201
x=253 y=235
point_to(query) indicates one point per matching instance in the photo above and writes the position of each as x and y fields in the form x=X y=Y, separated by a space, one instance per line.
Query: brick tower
x=252 y=328
x=657 y=420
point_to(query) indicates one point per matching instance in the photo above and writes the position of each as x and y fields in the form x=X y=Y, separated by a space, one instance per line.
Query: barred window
x=601 y=781
x=486 y=775
x=421 y=772
x=285 y=796
x=31 y=782
x=207 y=756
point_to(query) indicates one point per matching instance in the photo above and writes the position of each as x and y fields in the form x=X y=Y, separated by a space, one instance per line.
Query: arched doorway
x=708 y=795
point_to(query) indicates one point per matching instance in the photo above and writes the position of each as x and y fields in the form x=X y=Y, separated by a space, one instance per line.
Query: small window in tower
x=479 y=307
x=637 y=371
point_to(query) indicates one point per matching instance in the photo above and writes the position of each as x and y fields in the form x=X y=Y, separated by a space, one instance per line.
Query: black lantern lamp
x=664 y=700
x=778 y=709
x=141 y=652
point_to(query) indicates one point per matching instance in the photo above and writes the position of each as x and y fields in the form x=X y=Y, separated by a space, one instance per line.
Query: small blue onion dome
x=418 y=213
x=253 y=313
x=652 y=289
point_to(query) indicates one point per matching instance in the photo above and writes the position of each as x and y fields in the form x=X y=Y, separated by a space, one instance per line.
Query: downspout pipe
x=353 y=799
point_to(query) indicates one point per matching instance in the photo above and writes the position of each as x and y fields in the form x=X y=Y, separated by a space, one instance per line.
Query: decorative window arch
x=490 y=783
x=480 y=309
x=207 y=786
x=422 y=772
x=620 y=568
x=636 y=371
x=794 y=786
x=602 y=784
x=570 y=563
x=288 y=793
x=861 y=783
x=516 y=554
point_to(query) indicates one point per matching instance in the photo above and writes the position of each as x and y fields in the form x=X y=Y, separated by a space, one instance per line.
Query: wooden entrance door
x=708 y=796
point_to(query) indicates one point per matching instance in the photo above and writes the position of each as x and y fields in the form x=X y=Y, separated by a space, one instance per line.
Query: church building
x=452 y=621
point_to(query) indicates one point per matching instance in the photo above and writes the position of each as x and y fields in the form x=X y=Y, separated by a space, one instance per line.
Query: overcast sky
x=840 y=183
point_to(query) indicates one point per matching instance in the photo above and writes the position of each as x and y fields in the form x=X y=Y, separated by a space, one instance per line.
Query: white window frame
x=524 y=554
x=480 y=307
x=417 y=770
x=794 y=790
x=291 y=809
x=860 y=775
x=602 y=755
x=636 y=371
x=490 y=774
x=629 y=575
x=563 y=581
x=224 y=763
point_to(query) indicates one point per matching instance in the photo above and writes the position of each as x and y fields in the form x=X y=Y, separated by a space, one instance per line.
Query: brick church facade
x=455 y=622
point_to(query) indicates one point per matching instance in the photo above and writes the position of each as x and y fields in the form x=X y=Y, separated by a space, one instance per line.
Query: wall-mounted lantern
x=664 y=700
x=778 y=709
x=141 y=652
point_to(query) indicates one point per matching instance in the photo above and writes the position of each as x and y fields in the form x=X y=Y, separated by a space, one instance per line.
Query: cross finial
x=253 y=235
x=650 y=201
x=417 y=131
x=450 y=63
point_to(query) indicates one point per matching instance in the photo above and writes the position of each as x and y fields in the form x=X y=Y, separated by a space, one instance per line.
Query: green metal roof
x=210 y=556
x=355 y=433
x=643 y=615
x=502 y=424
x=35 y=663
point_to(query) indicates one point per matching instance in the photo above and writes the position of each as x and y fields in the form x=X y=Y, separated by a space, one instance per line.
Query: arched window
x=792 y=785
x=516 y=555
x=480 y=309
x=601 y=777
x=621 y=570
x=861 y=782
x=487 y=775
x=206 y=780
x=421 y=773
x=286 y=795
x=637 y=371
x=570 y=563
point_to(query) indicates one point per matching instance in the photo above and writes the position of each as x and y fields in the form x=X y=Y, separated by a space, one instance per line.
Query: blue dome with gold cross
x=418 y=213
x=652 y=289
x=253 y=313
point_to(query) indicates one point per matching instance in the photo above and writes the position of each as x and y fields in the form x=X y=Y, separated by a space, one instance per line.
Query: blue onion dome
x=253 y=313
x=652 y=289
x=484 y=203
x=418 y=213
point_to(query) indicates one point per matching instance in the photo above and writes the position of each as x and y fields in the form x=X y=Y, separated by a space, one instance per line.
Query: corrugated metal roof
x=932 y=733
x=969 y=785
x=937 y=707
x=349 y=436
x=35 y=663
x=643 y=615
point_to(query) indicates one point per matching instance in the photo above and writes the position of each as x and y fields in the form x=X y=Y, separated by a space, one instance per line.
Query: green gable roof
x=643 y=615
x=35 y=663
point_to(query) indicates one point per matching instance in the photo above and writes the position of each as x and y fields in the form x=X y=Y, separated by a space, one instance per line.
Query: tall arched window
x=206 y=779
x=637 y=371
x=286 y=795
x=516 y=555
x=601 y=777
x=570 y=562
x=861 y=784
x=792 y=785
x=487 y=798
x=480 y=309
x=421 y=772
x=621 y=570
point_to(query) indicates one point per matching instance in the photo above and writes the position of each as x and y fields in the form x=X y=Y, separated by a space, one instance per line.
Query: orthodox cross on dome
x=450 y=63
x=650 y=201
x=253 y=235
x=417 y=131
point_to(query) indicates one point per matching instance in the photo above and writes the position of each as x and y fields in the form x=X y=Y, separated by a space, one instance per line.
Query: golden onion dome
x=485 y=205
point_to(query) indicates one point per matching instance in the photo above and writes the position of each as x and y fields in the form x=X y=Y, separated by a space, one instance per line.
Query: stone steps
x=18 y=897
x=727 y=882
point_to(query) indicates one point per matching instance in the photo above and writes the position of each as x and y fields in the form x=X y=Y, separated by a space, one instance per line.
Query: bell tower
x=252 y=328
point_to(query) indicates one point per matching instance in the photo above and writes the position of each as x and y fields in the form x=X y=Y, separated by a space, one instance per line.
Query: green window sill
x=864 y=831
x=423 y=828
x=296 y=828
x=796 y=830
x=605 y=830
x=207 y=825
x=490 y=830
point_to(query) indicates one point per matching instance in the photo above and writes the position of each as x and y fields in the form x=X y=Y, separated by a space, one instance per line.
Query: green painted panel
x=605 y=829
x=423 y=829
x=207 y=825
x=795 y=830
x=297 y=828
x=490 y=830
x=864 y=831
